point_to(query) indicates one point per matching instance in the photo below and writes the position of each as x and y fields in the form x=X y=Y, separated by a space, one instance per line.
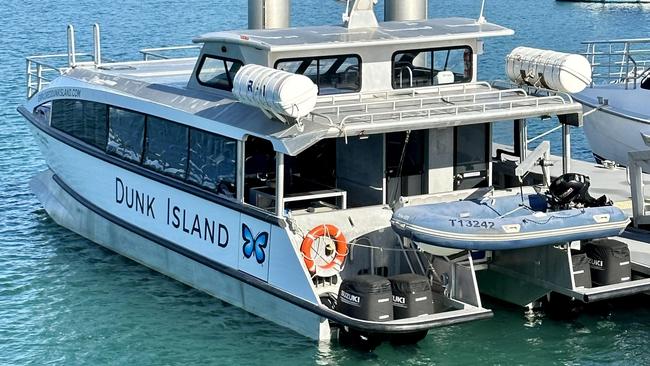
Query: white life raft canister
x=278 y=91
x=565 y=72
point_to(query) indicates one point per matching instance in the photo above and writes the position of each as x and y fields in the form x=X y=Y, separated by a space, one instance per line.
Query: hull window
x=212 y=162
x=82 y=119
x=166 y=147
x=201 y=158
x=429 y=67
x=125 y=134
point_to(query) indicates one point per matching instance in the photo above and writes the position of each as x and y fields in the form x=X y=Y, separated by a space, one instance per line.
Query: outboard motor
x=572 y=189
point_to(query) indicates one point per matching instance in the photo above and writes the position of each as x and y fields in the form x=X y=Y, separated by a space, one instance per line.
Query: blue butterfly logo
x=256 y=244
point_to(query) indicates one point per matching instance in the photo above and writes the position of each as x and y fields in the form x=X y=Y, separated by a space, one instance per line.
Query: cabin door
x=405 y=164
x=471 y=154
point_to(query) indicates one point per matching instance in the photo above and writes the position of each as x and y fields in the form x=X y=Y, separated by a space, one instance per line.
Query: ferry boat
x=266 y=170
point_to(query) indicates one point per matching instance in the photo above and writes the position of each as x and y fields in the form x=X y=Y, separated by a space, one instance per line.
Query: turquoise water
x=64 y=300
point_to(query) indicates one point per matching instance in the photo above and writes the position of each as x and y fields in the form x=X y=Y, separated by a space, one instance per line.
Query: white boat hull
x=66 y=211
x=615 y=121
x=84 y=201
x=612 y=136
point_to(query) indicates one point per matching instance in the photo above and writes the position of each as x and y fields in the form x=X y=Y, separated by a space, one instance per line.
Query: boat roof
x=387 y=33
x=344 y=115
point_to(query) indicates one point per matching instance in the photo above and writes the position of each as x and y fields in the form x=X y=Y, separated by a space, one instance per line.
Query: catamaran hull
x=83 y=192
x=100 y=228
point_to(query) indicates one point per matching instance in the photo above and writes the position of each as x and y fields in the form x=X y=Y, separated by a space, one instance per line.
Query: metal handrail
x=618 y=61
x=408 y=105
x=453 y=109
x=425 y=100
x=407 y=93
x=40 y=70
x=327 y=193
x=147 y=53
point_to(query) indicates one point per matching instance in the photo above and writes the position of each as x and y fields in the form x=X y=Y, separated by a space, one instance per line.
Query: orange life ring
x=333 y=233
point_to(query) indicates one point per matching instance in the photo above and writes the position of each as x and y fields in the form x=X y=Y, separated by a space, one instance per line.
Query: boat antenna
x=481 y=19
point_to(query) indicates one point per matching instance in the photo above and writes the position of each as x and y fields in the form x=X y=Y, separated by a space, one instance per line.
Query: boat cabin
x=400 y=112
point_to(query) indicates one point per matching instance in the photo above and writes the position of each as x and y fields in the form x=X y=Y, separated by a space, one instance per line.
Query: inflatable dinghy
x=511 y=222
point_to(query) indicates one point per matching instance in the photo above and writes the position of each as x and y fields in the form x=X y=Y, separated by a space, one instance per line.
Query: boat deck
x=165 y=71
x=612 y=182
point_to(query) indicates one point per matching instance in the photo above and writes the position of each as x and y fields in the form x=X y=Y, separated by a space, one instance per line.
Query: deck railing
x=166 y=53
x=42 y=69
x=621 y=61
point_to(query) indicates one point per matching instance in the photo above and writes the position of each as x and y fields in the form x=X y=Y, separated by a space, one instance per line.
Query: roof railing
x=42 y=69
x=450 y=100
x=399 y=93
x=163 y=53
x=619 y=61
x=455 y=110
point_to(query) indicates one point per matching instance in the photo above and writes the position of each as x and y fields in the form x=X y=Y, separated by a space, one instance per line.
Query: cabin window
x=429 y=67
x=82 y=119
x=259 y=173
x=212 y=162
x=471 y=157
x=332 y=74
x=166 y=145
x=125 y=134
x=217 y=72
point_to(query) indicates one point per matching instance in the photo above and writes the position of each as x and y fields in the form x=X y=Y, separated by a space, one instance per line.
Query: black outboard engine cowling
x=572 y=189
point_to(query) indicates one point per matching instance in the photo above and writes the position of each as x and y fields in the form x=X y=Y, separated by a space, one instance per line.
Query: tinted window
x=218 y=73
x=332 y=74
x=125 y=134
x=418 y=68
x=166 y=147
x=212 y=162
x=82 y=119
x=471 y=144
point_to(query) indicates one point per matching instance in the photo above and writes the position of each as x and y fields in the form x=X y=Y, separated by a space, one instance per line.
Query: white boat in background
x=617 y=108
